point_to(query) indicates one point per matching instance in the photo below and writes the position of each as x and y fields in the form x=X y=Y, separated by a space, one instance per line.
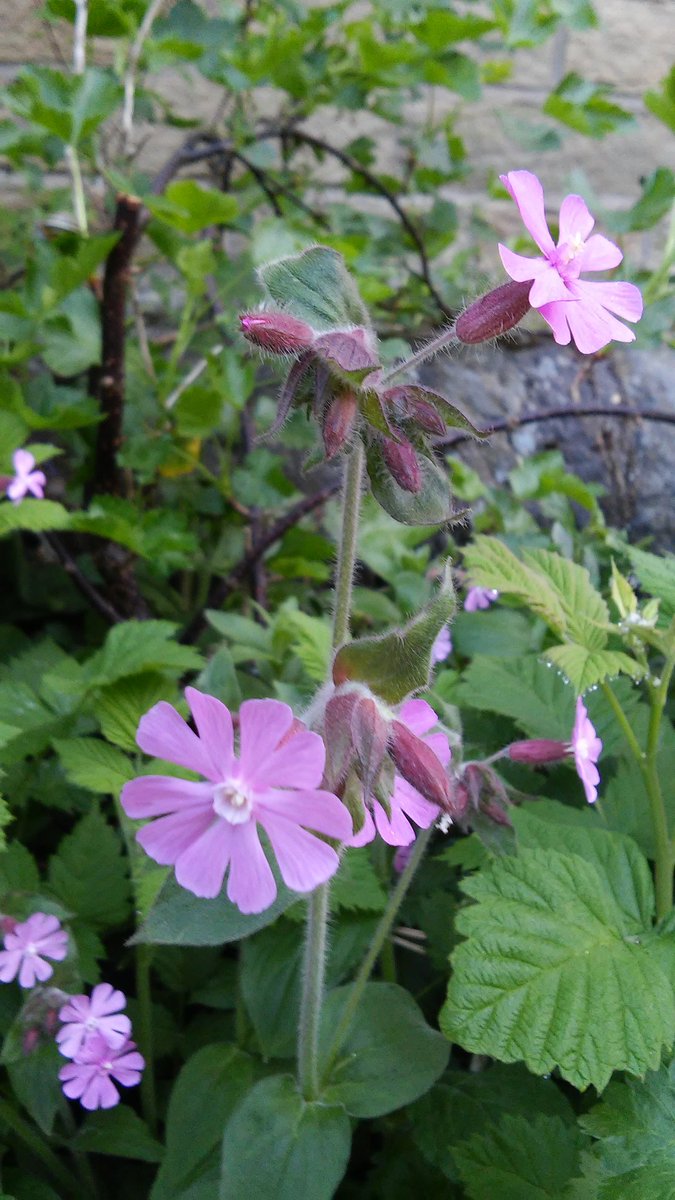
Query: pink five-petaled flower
x=442 y=646
x=573 y=307
x=100 y=1013
x=25 y=478
x=205 y=827
x=89 y=1078
x=480 y=597
x=29 y=945
x=406 y=803
x=586 y=747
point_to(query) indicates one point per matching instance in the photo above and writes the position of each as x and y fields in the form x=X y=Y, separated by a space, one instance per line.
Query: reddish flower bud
x=296 y=726
x=8 y=924
x=540 y=751
x=349 y=349
x=402 y=461
x=410 y=405
x=337 y=730
x=417 y=763
x=278 y=332
x=370 y=733
x=493 y=313
x=338 y=422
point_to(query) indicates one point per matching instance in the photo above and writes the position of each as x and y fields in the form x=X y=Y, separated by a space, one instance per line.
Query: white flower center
x=232 y=803
x=572 y=248
x=31 y=949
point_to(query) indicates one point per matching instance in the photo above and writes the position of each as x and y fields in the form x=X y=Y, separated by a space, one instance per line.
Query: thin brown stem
x=509 y=424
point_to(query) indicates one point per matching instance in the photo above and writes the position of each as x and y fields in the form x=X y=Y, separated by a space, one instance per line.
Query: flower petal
x=593 y=327
x=23 y=461
x=168 y=837
x=17 y=489
x=214 y=725
x=317 y=810
x=440 y=745
x=163 y=733
x=155 y=795
x=304 y=860
x=416 y=806
x=366 y=832
x=262 y=725
x=202 y=865
x=418 y=716
x=547 y=288
x=395 y=830
x=526 y=190
x=106 y=999
x=298 y=763
x=598 y=254
x=624 y=299
x=575 y=220
x=10 y=961
x=251 y=884
x=519 y=266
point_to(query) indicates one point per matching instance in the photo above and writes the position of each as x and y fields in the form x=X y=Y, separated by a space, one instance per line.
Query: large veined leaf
x=522 y=1158
x=33 y=515
x=431 y=505
x=177 y=918
x=657 y=576
x=634 y=1158
x=585 y=610
x=316 y=287
x=584 y=668
x=554 y=973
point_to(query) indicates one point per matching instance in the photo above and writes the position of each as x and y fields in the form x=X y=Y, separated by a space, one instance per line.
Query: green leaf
x=356 y=886
x=137 y=646
x=177 y=918
x=71 y=107
x=625 y=804
x=270 y=985
x=308 y=637
x=586 y=615
x=208 y=1088
x=88 y=873
x=584 y=106
x=90 y=763
x=553 y=972
x=585 y=668
x=316 y=287
x=390 y=1056
x=491 y=564
x=119 y=706
x=398 y=663
x=662 y=103
x=120 y=1132
x=190 y=207
x=18 y=870
x=524 y=689
x=634 y=1158
x=522 y=1158
x=277 y=1146
x=657 y=576
x=431 y=505
x=35 y=516
x=35 y=1082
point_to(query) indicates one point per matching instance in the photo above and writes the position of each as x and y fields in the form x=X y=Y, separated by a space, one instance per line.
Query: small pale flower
x=442 y=647
x=406 y=803
x=27 y=948
x=480 y=597
x=204 y=828
x=586 y=747
x=89 y=1078
x=99 y=1013
x=26 y=479
x=576 y=309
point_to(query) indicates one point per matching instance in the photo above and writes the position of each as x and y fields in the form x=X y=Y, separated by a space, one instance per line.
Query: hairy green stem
x=646 y=761
x=381 y=859
x=317 y=909
x=443 y=339
x=145 y=1037
x=36 y=1144
x=380 y=936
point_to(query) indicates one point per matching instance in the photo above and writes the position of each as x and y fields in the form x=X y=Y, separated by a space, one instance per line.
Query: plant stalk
x=35 y=1143
x=145 y=1038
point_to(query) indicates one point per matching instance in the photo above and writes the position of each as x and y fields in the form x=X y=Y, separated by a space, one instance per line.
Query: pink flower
x=29 y=945
x=480 y=597
x=442 y=647
x=25 y=479
x=586 y=747
x=99 y=1013
x=205 y=827
x=573 y=307
x=89 y=1078
x=406 y=803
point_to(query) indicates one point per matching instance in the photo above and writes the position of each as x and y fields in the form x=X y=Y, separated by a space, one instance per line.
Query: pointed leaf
x=177 y=918
x=316 y=287
x=430 y=505
x=584 y=667
x=522 y=1158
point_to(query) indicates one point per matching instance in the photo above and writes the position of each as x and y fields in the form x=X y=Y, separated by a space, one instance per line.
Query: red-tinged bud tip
x=277 y=332
x=539 y=751
x=296 y=726
x=410 y=405
x=370 y=733
x=417 y=763
x=338 y=422
x=494 y=313
x=402 y=462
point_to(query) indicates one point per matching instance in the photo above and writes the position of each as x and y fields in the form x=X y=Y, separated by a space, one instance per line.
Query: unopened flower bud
x=494 y=313
x=402 y=462
x=417 y=763
x=278 y=332
x=8 y=924
x=370 y=733
x=338 y=738
x=409 y=403
x=338 y=422
x=537 y=751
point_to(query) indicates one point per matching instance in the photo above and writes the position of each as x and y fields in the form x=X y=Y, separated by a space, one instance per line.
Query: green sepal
x=316 y=287
x=431 y=505
x=398 y=663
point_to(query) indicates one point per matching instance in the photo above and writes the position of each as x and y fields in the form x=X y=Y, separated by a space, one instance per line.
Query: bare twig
x=509 y=424
x=135 y=51
x=107 y=476
x=97 y=601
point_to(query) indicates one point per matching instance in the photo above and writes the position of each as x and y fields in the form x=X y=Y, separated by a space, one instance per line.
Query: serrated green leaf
x=491 y=564
x=625 y=804
x=521 y=1158
x=584 y=106
x=35 y=516
x=88 y=873
x=119 y=707
x=522 y=688
x=586 y=615
x=90 y=763
x=278 y=1146
x=657 y=576
x=554 y=974
x=309 y=638
x=390 y=1055
x=396 y=664
x=190 y=207
x=134 y=647
x=356 y=887
x=18 y=870
x=316 y=287
x=584 y=668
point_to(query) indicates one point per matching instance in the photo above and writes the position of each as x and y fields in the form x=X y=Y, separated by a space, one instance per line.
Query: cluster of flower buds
x=338 y=376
